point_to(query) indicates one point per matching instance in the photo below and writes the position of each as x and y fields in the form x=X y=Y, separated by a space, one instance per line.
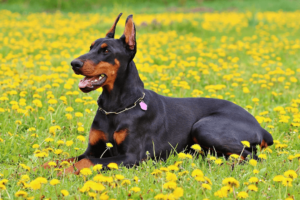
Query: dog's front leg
x=126 y=160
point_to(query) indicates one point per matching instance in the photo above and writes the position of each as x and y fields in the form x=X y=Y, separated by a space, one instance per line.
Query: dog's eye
x=106 y=51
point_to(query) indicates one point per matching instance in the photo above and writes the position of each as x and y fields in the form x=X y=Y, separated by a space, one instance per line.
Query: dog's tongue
x=84 y=83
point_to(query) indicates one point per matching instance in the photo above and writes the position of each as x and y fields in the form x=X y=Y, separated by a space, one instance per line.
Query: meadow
x=249 y=58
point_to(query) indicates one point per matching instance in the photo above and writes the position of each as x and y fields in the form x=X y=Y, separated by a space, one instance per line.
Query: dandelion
x=97 y=167
x=54 y=182
x=119 y=177
x=290 y=174
x=287 y=182
x=245 y=143
x=263 y=156
x=253 y=162
x=112 y=166
x=242 y=195
x=80 y=129
x=231 y=182
x=173 y=168
x=64 y=193
x=85 y=171
x=109 y=145
x=253 y=180
x=196 y=147
x=125 y=182
x=81 y=138
x=69 y=143
x=219 y=161
x=35 y=146
x=206 y=186
x=197 y=173
x=278 y=178
x=21 y=194
x=170 y=185
x=178 y=192
x=252 y=187
x=135 y=189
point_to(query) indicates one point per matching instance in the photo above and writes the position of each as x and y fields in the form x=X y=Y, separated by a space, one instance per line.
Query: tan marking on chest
x=96 y=136
x=120 y=136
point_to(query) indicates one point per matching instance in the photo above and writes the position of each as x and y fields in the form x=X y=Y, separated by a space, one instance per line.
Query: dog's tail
x=267 y=139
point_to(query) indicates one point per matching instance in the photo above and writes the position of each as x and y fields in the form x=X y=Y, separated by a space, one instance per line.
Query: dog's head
x=107 y=57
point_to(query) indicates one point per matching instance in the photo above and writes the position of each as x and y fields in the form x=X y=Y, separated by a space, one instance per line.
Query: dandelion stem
x=103 y=152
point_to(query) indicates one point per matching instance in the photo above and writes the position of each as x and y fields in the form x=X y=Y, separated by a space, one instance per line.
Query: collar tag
x=143 y=105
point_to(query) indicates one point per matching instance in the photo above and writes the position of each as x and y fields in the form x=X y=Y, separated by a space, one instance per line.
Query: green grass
x=148 y=6
x=36 y=49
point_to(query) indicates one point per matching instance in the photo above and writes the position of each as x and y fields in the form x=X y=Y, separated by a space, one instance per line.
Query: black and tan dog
x=136 y=120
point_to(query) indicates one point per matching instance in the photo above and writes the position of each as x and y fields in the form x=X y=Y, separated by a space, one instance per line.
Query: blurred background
x=148 y=6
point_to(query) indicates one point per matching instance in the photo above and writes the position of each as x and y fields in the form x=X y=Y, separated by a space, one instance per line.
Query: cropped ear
x=129 y=33
x=111 y=32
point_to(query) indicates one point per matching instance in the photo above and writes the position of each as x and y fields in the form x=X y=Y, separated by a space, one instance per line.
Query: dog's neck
x=128 y=87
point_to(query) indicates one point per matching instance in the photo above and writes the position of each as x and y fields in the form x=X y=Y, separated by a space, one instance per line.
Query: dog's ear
x=111 y=32
x=129 y=33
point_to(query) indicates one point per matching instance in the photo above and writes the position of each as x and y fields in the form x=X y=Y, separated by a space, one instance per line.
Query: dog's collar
x=143 y=106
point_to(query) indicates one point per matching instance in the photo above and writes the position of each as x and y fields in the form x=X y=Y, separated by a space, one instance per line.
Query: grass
x=148 y=6
x=249 y=58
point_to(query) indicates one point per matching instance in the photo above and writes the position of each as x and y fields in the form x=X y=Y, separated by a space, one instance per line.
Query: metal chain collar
x=139 y=100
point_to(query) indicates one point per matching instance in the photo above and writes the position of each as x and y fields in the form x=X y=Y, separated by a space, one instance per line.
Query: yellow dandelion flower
x=246 y=143
x=219 y=161
x=290 y=174
x=97 y=167
x=112 y=166
x=35 y=185
x=119 y=177
x=253 y=180
x=252 y=187
x=278 y=178
x=253 y=162
x=64 y=193
x=263 y=156
x=81 y=138
x=126 y=182
x=54 y=182
x=181 y=155
x=135 y=189
x=85 y=171
x=170 y=185
x=21 y=194
x=287 y=182
x=196 y=147
x=109 y=145
x=2 y=187
x=242 y=195
x=171 y=177
x=206 y=186
x=231 y=182
x=197 y=172
x=255 y=171
x=173 y=168
x=136 y=179
x=69 y=143
x=178 y=192
x=161 y=196
x=104 y=196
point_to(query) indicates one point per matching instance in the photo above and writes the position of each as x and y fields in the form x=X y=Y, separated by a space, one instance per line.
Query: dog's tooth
x=100 y=78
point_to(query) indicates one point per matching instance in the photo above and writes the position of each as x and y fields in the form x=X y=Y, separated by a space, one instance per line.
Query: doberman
x=136 y=120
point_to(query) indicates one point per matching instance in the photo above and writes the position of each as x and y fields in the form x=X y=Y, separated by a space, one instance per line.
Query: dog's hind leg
x=220 y=137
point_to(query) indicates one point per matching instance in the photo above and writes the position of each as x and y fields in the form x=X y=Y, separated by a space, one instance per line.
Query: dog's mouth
x=88 y=84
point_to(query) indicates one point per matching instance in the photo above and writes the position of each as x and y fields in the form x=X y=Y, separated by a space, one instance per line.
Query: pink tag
x=143 y=105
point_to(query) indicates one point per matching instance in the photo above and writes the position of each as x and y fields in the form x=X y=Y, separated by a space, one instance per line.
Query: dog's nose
x=76 y=64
